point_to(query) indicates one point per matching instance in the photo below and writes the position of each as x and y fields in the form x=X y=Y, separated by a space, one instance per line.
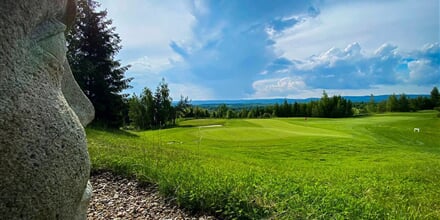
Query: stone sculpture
x=44 y=163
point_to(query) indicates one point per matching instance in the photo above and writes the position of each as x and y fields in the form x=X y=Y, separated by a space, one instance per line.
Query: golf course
x=372 y=167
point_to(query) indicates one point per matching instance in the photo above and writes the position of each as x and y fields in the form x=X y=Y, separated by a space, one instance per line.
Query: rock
x=44 y=163
x=84 y=204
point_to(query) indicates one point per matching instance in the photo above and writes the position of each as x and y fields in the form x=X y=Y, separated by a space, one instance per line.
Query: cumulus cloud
x=278 y=87
x=425 y=70
x=409 y=24
x=232 y=44
x=194 y=91
x=147 y=30
x=154 y=65
x=150 y=23
x=352 y=69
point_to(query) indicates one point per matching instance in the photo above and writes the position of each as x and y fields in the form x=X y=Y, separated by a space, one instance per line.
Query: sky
x=253 y=49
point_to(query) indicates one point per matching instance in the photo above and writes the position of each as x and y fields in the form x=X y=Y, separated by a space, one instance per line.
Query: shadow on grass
x=114 y=131
x=187 y=126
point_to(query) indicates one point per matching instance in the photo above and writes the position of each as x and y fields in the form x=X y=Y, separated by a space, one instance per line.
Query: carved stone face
x=44 y=163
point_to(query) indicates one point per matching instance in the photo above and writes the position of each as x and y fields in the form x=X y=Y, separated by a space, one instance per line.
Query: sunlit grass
x=370 y=168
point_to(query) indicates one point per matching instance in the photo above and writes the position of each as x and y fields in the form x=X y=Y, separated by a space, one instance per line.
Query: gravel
x=115 y=197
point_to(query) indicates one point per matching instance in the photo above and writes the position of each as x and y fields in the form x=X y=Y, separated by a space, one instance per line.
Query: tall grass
x=364 y=168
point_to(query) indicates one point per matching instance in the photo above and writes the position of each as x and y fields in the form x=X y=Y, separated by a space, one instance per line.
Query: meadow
x=373 y=167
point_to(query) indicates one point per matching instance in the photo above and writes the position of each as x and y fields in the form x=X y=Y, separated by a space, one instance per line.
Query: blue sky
x=243 y=49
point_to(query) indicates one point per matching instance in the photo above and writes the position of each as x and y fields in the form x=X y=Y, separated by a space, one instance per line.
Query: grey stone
x=79 y=102
x=44 y=163
x=85 y=200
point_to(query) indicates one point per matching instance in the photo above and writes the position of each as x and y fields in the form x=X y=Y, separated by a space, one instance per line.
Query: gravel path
x=115 y=197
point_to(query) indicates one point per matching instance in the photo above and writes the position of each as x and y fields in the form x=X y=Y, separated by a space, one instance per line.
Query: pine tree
x=435 y=97
x=136 y=113
x=141 y=110
x=371 y=107
x=92 y=46
x=181 y=109
x=403 y=103
x=392 y=103
x=147 y=101
x=162 y=104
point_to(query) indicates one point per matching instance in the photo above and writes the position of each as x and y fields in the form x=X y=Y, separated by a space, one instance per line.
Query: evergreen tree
x=182 y=108
x=371 y=105
x=92 y=46
x=392 y=103
x=404 y=103
x=435 y=97
x=251 y=113
x=154 y=111
x=243 y=113
x=382 y=107
x=294 y=109
x=222 y=110
x=324 y=108
x=162 y=104
x=286 y=109
x=230 y=114
x=277 y=111
x=137 y=113
x=147 y=102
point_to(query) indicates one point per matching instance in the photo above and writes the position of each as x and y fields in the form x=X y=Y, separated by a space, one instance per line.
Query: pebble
x=115 y=197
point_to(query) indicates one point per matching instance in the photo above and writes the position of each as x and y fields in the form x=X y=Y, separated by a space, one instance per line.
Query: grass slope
x=370 y=168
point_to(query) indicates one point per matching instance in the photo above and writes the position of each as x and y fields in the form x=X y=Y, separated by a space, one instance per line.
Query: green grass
x=355 y=168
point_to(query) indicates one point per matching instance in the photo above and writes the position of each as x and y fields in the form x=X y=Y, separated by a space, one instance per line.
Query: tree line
x=155 y=110
x=402 y=103
x=329 y=107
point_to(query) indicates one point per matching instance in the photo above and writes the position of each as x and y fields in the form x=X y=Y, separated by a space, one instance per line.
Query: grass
x=355 y=168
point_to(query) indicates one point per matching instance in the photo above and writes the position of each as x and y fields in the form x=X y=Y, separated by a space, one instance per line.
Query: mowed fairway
x=373 y=167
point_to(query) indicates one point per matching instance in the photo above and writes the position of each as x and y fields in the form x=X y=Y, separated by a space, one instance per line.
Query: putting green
x=262 y=130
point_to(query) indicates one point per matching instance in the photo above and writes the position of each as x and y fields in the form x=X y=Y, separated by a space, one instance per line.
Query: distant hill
x=263 y=102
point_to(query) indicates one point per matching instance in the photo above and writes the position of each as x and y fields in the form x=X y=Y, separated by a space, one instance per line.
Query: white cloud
x=349 y=68
x=194 y=92
x=331 y=57
x=150 y=23
x=350 y=71
x=423 y=72
x=200 y=7
x=371 y=23
x=147 y=28
x=277 y=87
x=153 y=65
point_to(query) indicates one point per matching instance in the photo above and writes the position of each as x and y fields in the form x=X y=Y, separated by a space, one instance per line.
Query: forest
x=157 y=110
